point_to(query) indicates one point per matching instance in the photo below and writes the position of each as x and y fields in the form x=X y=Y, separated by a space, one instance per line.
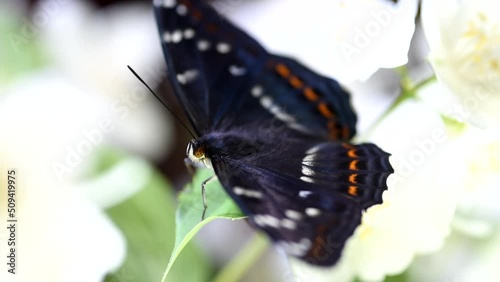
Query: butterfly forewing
x=224 y=78
x=200 y=59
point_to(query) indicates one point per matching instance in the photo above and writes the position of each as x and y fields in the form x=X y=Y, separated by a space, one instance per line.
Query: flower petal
x=464 y=37
x=348 y=40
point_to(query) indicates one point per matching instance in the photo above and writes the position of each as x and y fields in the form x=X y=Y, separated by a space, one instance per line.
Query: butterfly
x=275 y=133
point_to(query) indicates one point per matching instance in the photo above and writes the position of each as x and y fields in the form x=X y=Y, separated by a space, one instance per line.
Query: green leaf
x=403 y=277
x=21 y=49
x=453 y=126
x=190 y=210
x=147 y=221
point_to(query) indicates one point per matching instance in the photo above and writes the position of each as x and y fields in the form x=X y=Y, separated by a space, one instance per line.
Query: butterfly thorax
x=201 y=151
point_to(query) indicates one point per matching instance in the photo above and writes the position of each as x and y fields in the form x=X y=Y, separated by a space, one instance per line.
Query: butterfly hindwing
x=309 y=198
x=312 y=226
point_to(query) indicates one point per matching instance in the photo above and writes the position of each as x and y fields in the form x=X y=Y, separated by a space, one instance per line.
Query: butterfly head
x=196 y=153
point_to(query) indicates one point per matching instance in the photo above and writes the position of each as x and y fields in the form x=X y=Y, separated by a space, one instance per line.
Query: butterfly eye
x=199 y=152
x=195 y=149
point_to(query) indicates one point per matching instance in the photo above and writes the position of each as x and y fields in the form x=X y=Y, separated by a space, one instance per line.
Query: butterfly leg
x=189 y=166
x=203 y=184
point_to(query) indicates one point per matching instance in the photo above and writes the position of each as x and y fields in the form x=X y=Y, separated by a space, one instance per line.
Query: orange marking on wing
x=352 y=153
x=311 y=95
x=211 y=27
x=333 y=131
x=282 y=70
x=354 y=165
x=347 y=146
x=345 y=132
x=198 y=15
x=352 y=178
x=319 y=242
x=296 y=82
x=187 y=3
x=318 y=245
x=325 y=111
x=353 y=190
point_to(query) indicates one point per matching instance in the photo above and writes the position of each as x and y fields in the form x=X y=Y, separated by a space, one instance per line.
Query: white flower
x=93 y=48
x=464 y=37
x=482 y=156
x=472 y=250
x=419 y=206
x=347 y=40
x=480 y=153
x=462 y=259
x=61 y=235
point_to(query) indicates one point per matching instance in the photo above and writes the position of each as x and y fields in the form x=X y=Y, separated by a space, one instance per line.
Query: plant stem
x=245 y=259
x=408 y=91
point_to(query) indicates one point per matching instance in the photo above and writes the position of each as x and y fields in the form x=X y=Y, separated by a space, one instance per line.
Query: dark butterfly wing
x=309 y=199
x=303 y=101
x=217 y=70
x=201 y=49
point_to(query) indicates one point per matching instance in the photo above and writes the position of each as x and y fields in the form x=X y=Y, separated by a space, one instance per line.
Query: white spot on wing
x=187 y=76
x=181 y=10
x=237 y=71
x=296 y=248
x=282 y=115
x=257 y=91
x=266 y=220
x=299 y=127
x=203 y=45
x=176 y=36
x=246 y=192
x=167 y=37
x=189 y=33
x=165 y=3
x=268 y=104
x=288 y=224
x=266 y=101
x=304 y=193
x=295 y=215
x=309 y=158
x=313 y=150
x=307 y=179
x=312 y=212
x=223 y=48
x=307 y=171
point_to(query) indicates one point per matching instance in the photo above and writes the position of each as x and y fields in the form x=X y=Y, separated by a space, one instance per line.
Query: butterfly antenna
x=161 y=101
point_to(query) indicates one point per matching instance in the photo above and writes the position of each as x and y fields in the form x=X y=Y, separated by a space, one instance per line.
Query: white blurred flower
x=93 y=48
x=463 y=259
x=418 y=208
x=480 y=153
x=348 y=40
x=41 y=116
x=472 y=250
x=471 y=246
x=464 y=38
x=482 y=156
